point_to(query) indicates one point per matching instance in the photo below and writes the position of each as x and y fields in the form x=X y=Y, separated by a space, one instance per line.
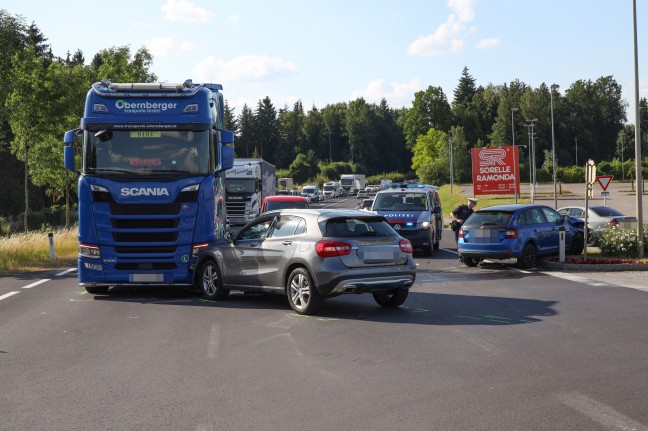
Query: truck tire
x=97 y=290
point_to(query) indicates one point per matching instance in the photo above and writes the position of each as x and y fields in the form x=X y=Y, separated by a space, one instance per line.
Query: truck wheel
x=97 y=290
x=210 y=281
x=391 y=299
x=303 y=297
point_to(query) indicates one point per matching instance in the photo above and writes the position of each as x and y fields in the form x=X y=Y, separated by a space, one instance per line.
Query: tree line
x=42 y=96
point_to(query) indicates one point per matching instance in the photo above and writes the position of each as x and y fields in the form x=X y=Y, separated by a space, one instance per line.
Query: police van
x=414 y=212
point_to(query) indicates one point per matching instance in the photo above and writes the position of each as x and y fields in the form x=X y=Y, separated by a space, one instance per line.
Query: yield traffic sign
x=604 y=180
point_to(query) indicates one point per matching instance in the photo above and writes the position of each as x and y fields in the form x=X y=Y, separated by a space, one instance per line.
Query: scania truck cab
x=150 y=189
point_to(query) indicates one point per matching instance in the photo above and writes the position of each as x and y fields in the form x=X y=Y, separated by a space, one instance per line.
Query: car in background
x=415 y=213
x=295 y=193
x=279 y=202
x=307 y=196
x=283 y=192
x=310 y=255
x=362 y=194
x=313 y=192
x=599 y=217
x=365 y=205
x=519 y=231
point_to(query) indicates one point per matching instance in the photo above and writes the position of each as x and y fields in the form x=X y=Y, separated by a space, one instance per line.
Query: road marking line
x=600 y=413
x=65 y=272
x=7 y=295
x=29 y=286
x=214 y=341
x=449 y=251
x=574 y=277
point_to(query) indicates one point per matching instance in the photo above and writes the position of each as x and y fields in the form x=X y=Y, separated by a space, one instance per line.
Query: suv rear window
x=358 y=226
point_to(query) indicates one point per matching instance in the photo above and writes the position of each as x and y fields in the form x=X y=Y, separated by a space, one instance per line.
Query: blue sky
x=338 y=50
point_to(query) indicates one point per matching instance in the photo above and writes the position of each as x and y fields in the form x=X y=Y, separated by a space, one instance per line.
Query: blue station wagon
x=521 y=231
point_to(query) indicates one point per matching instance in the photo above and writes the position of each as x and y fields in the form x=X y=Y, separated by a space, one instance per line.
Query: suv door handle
x=254 y=244
x=287 y=242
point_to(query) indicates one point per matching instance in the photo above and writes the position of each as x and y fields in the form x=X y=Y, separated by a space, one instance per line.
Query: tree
x=301 y=169
x=267 y=129
x=464 y=108
x=246 y=139
x=430 y=109
x=230 y=121
x=361 y=132
x=430 y=159
x=116 y=64
x=291 y=134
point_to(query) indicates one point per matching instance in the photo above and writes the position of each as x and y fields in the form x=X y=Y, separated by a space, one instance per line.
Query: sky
x=325 y=52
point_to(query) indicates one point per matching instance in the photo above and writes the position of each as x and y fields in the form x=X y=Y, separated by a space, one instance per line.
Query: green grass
x=30 y=251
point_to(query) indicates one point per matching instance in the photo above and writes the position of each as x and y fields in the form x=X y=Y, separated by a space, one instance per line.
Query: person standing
x=460 y=214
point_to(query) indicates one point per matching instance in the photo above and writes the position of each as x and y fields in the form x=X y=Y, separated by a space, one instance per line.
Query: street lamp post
x=639 y=188
x=515 y=176
x=451 y=163
x=553 y=146
x=532 y=162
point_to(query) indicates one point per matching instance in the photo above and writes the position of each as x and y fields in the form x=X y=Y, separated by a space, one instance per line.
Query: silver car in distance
x=309 y=255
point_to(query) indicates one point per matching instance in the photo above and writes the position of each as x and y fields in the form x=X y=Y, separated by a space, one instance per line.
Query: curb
x=607 y=267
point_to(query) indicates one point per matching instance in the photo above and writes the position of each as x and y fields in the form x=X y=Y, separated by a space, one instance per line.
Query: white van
x=313 y=192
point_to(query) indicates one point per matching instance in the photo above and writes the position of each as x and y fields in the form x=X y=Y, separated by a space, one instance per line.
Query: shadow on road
x=421 y=308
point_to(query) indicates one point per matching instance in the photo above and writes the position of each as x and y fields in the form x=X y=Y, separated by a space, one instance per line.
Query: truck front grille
x=145 y=236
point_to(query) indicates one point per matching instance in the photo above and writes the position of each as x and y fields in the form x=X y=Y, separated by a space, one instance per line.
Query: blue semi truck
x=151 y=181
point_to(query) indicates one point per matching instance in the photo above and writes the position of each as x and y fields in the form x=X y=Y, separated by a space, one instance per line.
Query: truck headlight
x=425 y=225
x=91 y=251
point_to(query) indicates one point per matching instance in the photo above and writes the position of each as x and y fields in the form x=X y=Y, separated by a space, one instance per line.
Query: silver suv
x=310 y=255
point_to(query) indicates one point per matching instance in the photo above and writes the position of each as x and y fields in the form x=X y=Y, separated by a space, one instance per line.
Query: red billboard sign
x=496 y=170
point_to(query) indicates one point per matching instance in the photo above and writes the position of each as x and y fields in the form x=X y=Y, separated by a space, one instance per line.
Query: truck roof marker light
x=100 y=107
x=191 y=108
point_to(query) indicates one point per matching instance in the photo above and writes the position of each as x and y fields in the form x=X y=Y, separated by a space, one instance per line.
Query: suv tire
x=210 y=281
x=302 y=294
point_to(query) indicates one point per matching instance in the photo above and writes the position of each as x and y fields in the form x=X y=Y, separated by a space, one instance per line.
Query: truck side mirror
x=227 y=159
x=68 y=157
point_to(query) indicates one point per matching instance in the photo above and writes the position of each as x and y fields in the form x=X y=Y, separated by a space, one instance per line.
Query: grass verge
x=30 y=251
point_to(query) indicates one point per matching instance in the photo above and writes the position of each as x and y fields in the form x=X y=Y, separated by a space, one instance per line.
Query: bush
x=615 y=242
x=573 y=174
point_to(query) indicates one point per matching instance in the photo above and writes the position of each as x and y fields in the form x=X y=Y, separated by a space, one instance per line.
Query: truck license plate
x=146 y=278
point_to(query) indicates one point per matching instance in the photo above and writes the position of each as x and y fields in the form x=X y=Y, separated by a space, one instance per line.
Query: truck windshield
x=145 y=153
x=241 y=185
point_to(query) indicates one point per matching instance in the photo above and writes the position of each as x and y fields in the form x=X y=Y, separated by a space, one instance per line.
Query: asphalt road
x=480 y=348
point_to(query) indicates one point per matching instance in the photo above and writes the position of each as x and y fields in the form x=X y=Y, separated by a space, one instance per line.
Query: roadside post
x=50 y=238
x=590 y=177
x=561 y=256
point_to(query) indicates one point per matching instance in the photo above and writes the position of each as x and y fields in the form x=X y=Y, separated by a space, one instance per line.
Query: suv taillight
x=326 y=248
x=461 y=233
x=614 y=222
x=406 y=246
x=511 y=234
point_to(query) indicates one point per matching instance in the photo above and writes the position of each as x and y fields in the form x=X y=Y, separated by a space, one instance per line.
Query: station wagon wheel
x=470 y=261
x=210 y=281
x=302 y=294
x=391 y=299
x=528 y=258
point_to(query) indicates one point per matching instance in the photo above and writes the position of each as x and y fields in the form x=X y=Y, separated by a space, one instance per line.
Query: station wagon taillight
x=613 y=223
x=326 y=248
x=511 y=234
